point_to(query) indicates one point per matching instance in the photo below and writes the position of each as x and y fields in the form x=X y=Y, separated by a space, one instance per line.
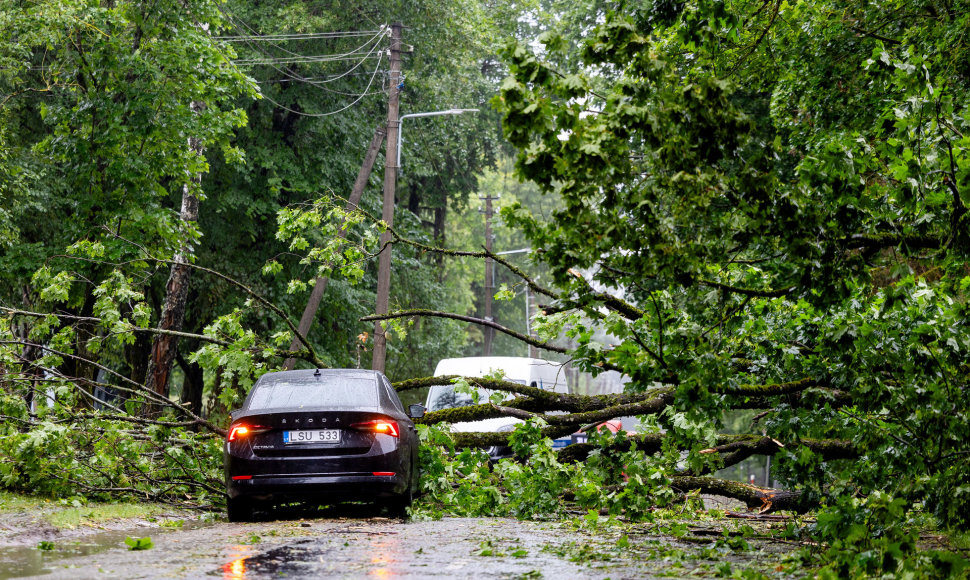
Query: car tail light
x=242 y=431
x=378 y=426
x=384 y=473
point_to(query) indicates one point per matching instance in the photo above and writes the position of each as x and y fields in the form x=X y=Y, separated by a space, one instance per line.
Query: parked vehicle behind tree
x=532 y=372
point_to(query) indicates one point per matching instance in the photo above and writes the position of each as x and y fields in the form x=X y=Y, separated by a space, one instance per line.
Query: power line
x=256 y=37
x=302 y=59
x=292 y=76
x=253 y=32
x=255 y=40
x=357 y=100
x=272 y=60
x=305 y=36
x=316 y=80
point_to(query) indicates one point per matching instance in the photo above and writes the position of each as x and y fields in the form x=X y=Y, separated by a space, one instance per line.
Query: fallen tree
x=589 y=411
x=732 y=238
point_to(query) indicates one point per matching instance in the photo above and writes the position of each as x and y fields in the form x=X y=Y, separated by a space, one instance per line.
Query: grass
x=97 y=513
x=62 y=513
x=10 y=502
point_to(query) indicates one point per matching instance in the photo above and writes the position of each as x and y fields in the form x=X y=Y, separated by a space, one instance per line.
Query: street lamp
x=432 y=114
x=528 y=321
x=390 y=184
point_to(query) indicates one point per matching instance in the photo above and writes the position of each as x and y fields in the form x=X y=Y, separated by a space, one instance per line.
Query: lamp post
x=400 y=131
x=528 y=323
x=395 y=124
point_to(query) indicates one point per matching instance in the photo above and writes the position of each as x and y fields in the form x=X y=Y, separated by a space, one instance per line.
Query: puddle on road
x=289 y=559
x=310 y=557
x=23 y=561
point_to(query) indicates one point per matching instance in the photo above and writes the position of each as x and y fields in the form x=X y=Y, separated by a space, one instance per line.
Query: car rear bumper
x=318 y=487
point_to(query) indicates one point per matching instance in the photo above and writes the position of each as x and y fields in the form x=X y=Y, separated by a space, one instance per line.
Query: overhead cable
x=294 y=76
x=306 y=36
x=357 y=100
x=254 y=41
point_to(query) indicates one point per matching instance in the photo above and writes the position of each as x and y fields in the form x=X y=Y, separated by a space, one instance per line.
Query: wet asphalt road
x=350 y=548
x=354 y=542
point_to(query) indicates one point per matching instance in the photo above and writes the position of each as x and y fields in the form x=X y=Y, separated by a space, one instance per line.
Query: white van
x=533 y=372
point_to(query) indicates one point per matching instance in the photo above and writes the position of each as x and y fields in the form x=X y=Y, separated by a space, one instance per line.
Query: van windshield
x=445 y=397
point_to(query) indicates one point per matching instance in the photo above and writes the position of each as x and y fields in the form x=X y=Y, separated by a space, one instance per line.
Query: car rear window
x=337 y=392
x=390 y=399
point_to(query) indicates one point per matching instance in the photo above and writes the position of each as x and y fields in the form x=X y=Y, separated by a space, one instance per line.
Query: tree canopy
x=768 y=199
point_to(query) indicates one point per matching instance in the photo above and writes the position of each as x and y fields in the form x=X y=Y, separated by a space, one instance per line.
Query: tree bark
x=501 y=439
x=735 y=447
x=137 y=356
x=763 y=499
x=176 y=290
x=192 y=385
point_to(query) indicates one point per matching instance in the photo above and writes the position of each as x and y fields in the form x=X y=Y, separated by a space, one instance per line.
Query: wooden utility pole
x=313 y=303
x=529 y=309
x=489 y=275
x=390 y=183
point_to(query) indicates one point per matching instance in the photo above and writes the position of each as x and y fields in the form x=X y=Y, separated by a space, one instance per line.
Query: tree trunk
x=137 y=356
x=81 y=367
x=764 y=499
x=415 y=188
x=176 y=290
x=440 y=213
x=192 y=385
x=29 y=354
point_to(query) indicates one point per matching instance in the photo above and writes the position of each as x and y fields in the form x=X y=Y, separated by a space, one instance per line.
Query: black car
x=323 y=436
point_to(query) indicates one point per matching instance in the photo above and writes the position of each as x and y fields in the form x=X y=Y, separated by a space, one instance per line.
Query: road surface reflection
x=386 y=556
x=311 y=557
x=236 y=568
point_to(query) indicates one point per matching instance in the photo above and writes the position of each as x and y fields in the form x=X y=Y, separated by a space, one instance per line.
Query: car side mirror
x=416 y=411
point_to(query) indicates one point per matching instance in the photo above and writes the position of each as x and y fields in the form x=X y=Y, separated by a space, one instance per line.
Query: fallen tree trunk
x=765 y=500
x=554 y=401
x=502 y=439
x=621 y=403
x=735 y=447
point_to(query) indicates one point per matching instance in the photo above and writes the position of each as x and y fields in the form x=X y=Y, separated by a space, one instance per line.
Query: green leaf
x=139 y=543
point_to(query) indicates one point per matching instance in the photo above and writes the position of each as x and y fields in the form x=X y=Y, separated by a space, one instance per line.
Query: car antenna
x=316 y=373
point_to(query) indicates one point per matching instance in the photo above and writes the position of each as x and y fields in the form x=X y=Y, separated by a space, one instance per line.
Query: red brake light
x=378 y=426
x=240 y=431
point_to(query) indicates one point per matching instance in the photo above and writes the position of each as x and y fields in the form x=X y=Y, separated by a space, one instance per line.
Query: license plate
x=312 y=436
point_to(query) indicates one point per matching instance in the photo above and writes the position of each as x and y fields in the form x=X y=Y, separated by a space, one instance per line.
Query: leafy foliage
x=768 y=235
x=537 y=483
x=102 y=458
